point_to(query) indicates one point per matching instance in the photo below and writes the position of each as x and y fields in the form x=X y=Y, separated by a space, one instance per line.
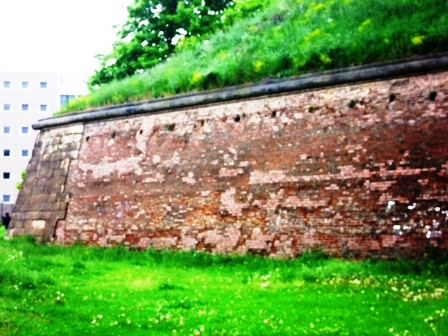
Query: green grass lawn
x=53 y=290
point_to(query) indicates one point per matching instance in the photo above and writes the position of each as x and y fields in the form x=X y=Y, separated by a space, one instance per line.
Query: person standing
x=6 y=219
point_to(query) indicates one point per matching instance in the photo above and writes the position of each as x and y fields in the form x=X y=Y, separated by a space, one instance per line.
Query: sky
x=61 y=36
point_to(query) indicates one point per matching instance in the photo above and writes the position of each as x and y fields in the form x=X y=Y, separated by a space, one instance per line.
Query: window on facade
x=24 y=107
x=43 y=108
x=6 y=129
x=43 y=85
x=25 y=85
x=24 y=152
x=25 y=129
x=6 y=175
x=6 y=198
x=6 y=84
x=6 y=152
x=6 y=107
x=66 y=98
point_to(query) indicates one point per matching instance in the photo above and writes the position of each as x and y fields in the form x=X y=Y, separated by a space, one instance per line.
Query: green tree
x=152 y=31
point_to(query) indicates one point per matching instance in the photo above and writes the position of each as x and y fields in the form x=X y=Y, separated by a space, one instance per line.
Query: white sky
x=61 y=36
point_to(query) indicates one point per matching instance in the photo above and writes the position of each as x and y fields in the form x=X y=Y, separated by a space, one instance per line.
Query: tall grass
x=53 y=290
x=287 y=38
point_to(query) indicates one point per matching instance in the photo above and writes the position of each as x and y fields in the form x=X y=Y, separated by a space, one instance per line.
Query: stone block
x=38 y=224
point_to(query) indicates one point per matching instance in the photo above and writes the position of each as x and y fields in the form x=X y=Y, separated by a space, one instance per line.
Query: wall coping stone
x=369 y=72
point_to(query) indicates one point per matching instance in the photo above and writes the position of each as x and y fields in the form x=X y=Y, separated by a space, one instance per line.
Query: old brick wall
x=358 y=170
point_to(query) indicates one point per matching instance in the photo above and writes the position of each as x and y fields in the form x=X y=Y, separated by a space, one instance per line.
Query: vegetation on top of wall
x=287 y=38
x=155 y=29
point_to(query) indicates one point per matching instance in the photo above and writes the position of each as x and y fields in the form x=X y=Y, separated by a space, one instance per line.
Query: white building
x=24 y=99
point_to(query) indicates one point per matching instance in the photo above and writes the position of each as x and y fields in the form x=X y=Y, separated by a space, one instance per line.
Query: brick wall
x=358 y=170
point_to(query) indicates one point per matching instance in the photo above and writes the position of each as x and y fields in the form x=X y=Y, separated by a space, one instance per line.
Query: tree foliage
x=153 y=30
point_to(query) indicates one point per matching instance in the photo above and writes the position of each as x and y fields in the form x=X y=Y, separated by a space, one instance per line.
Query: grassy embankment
x=287 y=38
x=53 y=290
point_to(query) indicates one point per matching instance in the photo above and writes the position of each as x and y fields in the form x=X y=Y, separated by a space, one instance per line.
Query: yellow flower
x=257 y=65
x=417 y=40
x=314 y=33
x=196 y=78
x=318 y=7
x=314 y=8
x=365 y=24
x=298 y=62
x=325 y=59
x=117 y=98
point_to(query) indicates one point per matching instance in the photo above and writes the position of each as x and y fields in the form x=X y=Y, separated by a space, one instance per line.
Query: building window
x=6 y=198
x=6 y=84
x=24 y=152
x=25 y=129
x=43 y=108
x=24 y=107
x=65 y=99
x=6 y=129
x=43 y=85
x=6 y=175
x=6 y=107
x=25 y=85
x=6 y=152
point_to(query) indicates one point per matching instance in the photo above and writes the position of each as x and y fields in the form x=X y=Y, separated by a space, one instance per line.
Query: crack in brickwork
x=275 y=175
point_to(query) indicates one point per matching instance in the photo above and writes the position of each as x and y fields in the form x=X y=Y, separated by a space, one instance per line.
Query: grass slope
x=52 y=290
x=287 y=38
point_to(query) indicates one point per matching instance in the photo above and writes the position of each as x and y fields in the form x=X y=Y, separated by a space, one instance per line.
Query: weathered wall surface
x=274 y=175
x=44 y=199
